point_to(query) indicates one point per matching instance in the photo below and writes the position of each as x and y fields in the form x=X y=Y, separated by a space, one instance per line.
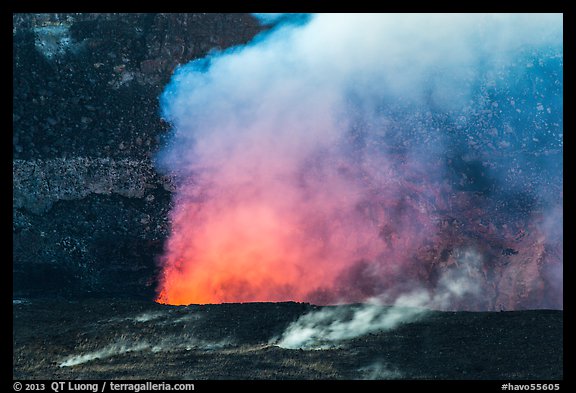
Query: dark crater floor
x=128 y=339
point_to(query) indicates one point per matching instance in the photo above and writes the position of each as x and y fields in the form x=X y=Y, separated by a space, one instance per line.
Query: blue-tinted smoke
x=435 y=136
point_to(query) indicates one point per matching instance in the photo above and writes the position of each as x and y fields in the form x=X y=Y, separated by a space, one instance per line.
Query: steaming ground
x=125 y=339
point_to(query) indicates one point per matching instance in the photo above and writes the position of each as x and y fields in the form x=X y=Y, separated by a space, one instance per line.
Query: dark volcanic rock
x=90 y=210
x=87 y=84
x=98 y=244
x=120 y=339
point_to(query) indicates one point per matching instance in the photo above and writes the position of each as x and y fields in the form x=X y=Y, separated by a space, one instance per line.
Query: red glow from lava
x=268 y=239
x=243 y=256
x=248 y=253
x=305 y=172
x=274 y=241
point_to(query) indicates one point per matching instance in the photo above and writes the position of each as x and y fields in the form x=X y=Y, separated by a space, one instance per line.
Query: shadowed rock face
x=90 y=211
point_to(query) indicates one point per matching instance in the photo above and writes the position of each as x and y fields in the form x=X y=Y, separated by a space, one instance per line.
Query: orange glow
x=244 y=254
x=250 y=246
x=310 y=236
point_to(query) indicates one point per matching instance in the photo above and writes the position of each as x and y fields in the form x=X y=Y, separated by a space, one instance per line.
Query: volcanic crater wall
x=90 y=212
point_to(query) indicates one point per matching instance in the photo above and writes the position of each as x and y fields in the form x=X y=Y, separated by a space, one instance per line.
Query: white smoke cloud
x=329 y=326
x=301 y=144
x=106 y=352
x=552 y=227
x=148 y=316
x=288 y=92
x=125 y=345
x=379 y=370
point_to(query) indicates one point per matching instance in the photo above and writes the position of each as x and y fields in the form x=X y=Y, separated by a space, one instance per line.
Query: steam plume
x=330 y=326
x=345 y=156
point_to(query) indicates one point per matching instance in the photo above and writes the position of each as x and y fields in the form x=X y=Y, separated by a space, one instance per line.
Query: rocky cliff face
x=90 y=210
